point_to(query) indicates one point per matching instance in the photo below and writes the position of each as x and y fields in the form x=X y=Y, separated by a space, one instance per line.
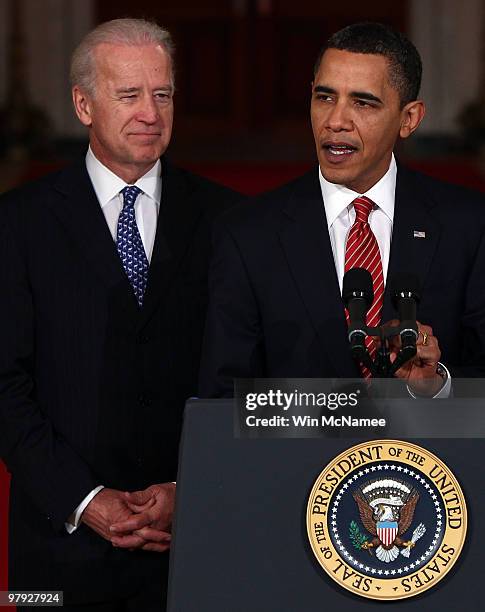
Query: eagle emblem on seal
x=386 y=509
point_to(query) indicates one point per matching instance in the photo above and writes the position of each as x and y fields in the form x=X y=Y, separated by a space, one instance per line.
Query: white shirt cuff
x=76 y=515
x=445 y=390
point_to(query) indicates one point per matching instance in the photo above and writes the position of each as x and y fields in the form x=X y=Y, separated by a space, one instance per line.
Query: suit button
x=143 y=339
x=145 y=400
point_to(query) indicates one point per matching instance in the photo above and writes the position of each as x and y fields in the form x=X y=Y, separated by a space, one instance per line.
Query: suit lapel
x=78 y=209
x=306 y=242
x=80 y=213
x=410 y=254
x=304 y=237
x=179 y=215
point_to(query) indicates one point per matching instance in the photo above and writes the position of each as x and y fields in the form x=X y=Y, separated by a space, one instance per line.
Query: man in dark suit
x=104 y=271
x=275 y=307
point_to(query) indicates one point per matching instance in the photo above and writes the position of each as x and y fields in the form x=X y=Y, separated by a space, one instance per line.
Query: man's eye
x=324 y=97
x=129 y=97
x=362 y=103
x=163 y=96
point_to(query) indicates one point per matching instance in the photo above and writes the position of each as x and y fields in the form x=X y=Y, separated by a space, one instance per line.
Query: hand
x=107 y=507
x=152 y=520
x=419 y=372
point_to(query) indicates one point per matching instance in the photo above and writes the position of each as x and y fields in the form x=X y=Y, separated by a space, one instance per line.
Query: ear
x=82 y=105
x=411 y=116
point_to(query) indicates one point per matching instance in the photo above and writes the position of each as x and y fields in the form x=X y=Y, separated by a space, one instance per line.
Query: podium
x=240 y=541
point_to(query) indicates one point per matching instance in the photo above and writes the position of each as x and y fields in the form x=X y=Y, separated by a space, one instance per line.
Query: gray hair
x=130 y=32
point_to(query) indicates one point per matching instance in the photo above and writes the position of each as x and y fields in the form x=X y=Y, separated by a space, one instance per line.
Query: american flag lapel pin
x=419 y=234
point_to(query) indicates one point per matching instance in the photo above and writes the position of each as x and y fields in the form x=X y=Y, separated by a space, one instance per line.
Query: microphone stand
x=382 y=367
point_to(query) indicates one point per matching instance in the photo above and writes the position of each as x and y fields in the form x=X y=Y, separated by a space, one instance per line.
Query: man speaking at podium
x=276 y=280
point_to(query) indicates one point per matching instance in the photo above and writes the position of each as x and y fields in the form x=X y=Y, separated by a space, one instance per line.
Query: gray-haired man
x=103 y=271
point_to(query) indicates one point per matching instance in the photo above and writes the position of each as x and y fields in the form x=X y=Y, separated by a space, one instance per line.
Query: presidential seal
x=386 y=519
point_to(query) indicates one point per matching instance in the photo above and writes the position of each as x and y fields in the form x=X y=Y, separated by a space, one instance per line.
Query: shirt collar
x=336 y=198
x=107 y=185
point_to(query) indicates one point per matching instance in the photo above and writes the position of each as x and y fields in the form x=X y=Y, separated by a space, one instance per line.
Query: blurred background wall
x=244 y=69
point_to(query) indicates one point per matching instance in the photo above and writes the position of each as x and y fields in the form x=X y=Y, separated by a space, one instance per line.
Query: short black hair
x=405 y=66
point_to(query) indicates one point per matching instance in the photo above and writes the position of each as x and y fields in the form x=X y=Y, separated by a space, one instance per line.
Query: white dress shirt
x=107 y=187
x=340 y=215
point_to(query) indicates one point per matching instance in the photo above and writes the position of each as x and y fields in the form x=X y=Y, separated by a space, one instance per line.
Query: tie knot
x=362 y=207
x=130 y=193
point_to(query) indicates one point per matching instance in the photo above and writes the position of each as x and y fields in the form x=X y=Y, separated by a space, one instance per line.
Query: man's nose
x=339 y=117
x=148 y=110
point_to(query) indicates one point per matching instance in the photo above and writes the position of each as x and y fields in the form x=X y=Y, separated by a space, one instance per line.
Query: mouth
x=145 y=139
x=338 y=152
x=146 y=134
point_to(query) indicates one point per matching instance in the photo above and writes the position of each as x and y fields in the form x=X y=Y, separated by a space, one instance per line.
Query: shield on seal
x=387 y=531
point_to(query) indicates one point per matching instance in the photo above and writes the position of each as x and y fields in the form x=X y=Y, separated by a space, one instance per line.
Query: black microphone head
x=406 y=285
x=358 y=283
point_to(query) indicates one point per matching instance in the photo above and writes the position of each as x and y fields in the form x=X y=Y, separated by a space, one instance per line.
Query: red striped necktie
x=362 y=251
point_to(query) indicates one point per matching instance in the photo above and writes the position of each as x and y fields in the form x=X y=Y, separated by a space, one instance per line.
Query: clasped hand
x=141 y=519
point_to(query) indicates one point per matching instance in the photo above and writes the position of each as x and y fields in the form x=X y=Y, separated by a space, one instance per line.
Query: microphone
x=406 y=293
x=358 y=295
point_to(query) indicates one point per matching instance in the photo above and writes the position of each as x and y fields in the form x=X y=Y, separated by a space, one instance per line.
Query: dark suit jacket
x=92 y=388
x=275 y=308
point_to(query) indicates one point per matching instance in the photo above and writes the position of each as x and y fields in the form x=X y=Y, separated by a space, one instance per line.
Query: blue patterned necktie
x=130 y=246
